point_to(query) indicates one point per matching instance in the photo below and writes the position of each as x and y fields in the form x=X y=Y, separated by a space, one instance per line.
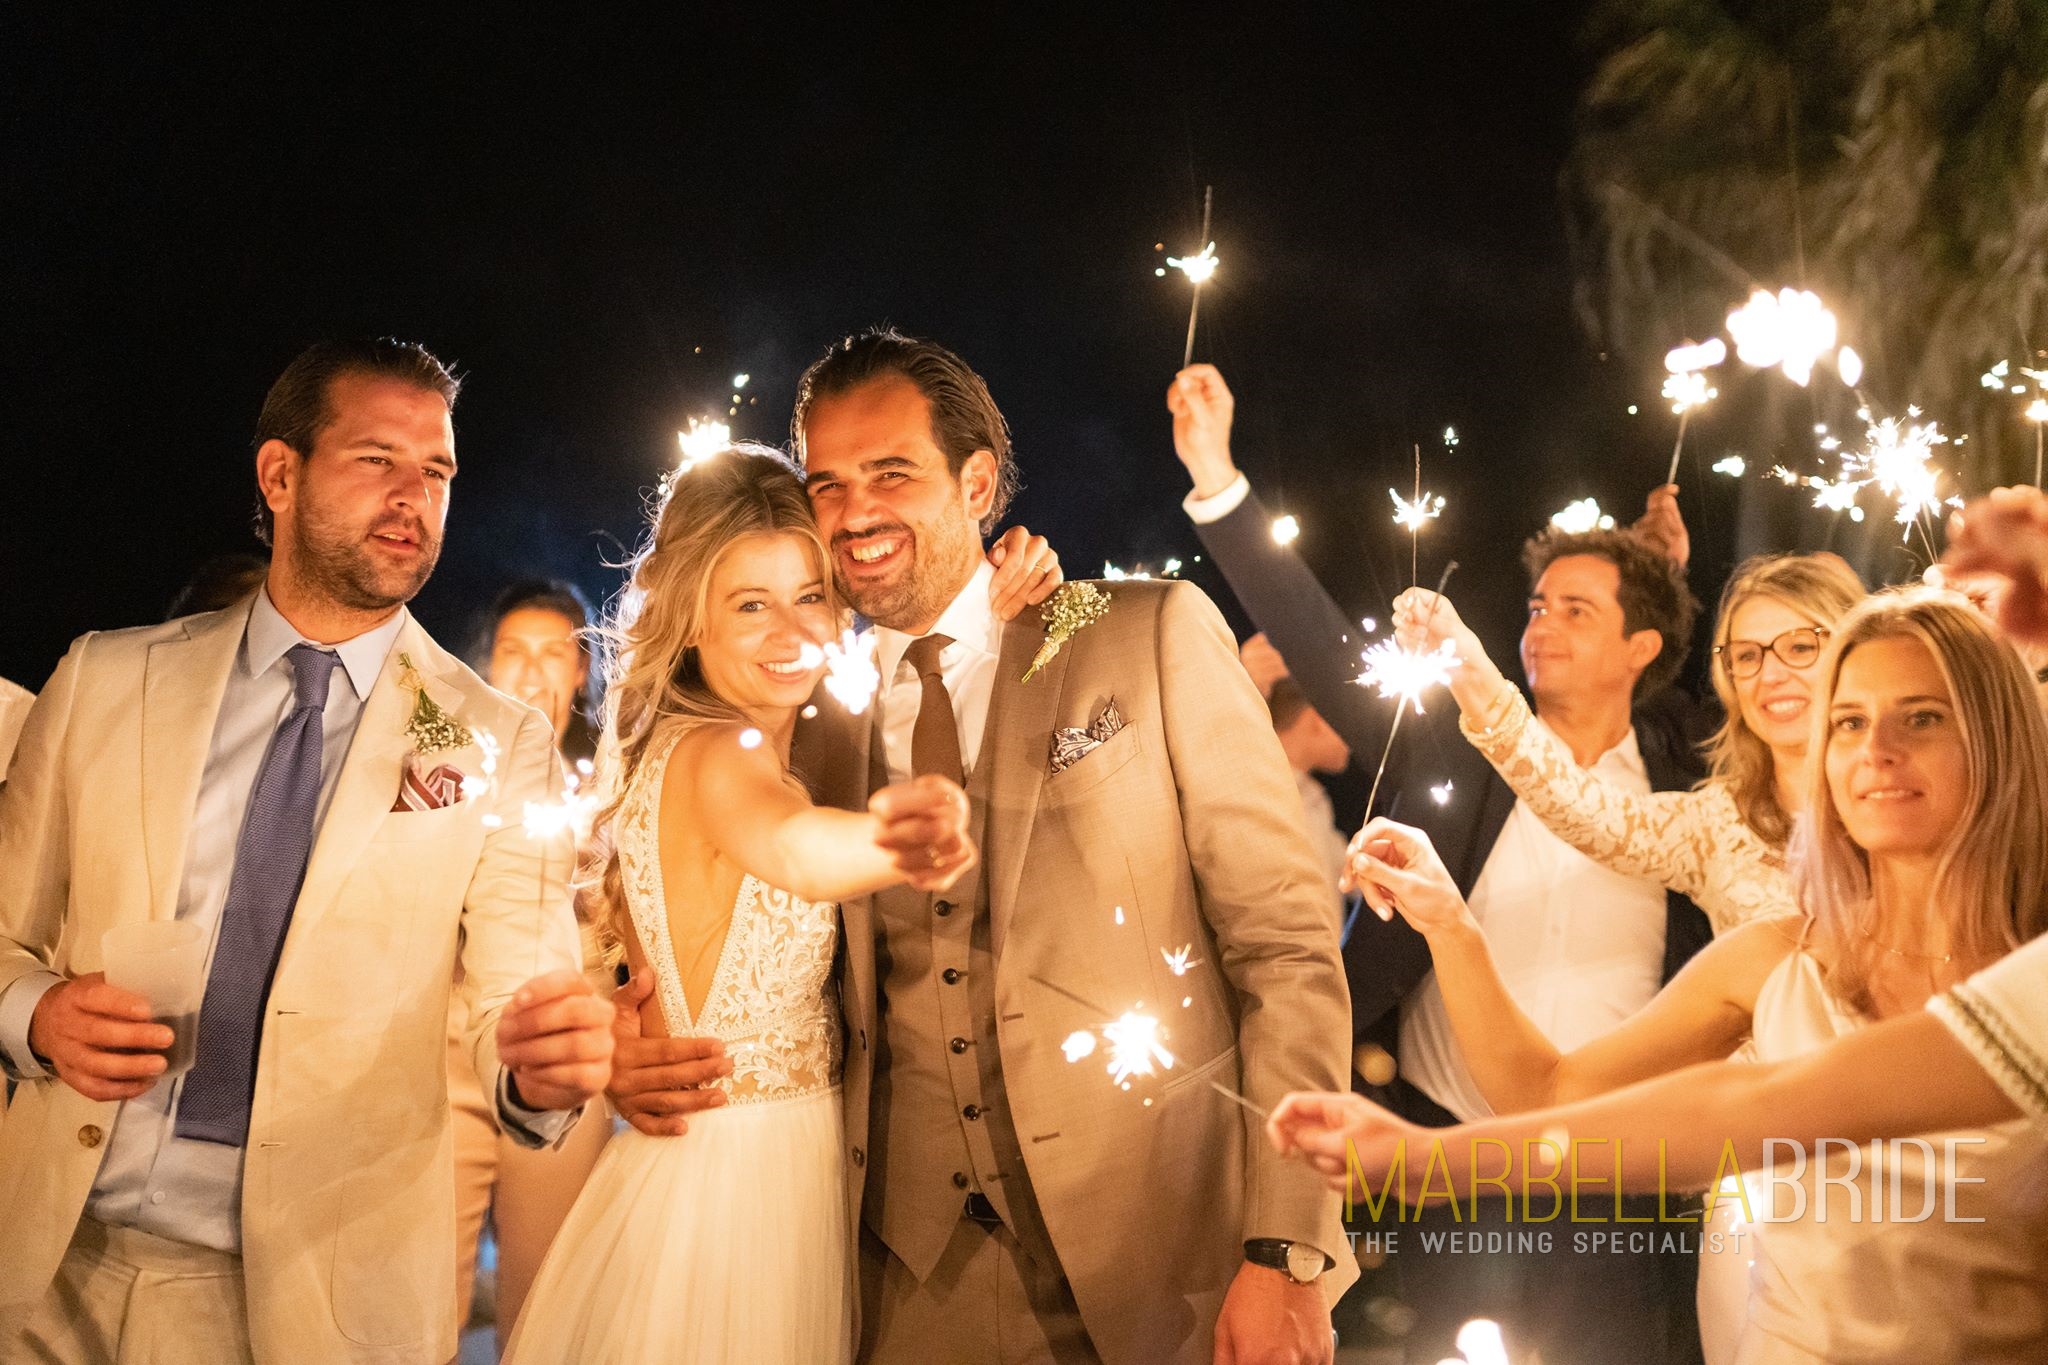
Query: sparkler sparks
x=1285 y=530
x=1403 y=688
x=1690 y=358
x=1583 y=515
x=1688 y=391
x=1178 y=961
x=1079 y=1044
x=1441 y=793
x=1734 y=466
x=850 y=672
x=1412 y=514
x=1198 y=267
x=1789 y=331
x=1405 y=673
x=703 y=440
x=1134 y=1045
x=1849 y=365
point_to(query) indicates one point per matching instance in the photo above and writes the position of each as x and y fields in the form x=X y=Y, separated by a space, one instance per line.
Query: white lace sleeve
x=1693 y=842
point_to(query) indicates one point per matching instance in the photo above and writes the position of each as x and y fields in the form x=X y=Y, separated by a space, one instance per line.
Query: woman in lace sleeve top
x=1722 y=844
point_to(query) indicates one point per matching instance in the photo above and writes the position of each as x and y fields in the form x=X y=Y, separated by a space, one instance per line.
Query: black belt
x=981 y=1211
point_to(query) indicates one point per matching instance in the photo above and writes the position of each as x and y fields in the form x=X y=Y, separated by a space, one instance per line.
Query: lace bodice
x=1693 y=842
x=771 y=1000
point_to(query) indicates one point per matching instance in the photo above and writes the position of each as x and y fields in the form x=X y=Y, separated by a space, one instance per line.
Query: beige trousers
x=986 y=1303
x=125 y=1297
x=526 y=1192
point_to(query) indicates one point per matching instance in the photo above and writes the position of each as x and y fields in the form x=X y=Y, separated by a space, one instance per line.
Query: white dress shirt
x=968 y=666
x=1579 y=947
x=1218 y=505
x=1319 y=819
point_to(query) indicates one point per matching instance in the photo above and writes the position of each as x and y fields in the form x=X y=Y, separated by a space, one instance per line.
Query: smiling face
x=360 y=516
x=904 y=529
x=1774 y=700
x=536 y=657
x=765 y=602
x=1897 y=768
x=1576 y=646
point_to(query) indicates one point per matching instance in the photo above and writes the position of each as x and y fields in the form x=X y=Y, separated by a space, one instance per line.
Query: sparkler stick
x=2037 y=411
x=1400 y=711
x=1198 y=268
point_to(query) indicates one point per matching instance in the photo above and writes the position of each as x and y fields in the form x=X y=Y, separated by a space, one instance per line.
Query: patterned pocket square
x=1072 y=744
x=441 y=787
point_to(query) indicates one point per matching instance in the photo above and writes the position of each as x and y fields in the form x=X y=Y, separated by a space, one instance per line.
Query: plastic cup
x=164 y=962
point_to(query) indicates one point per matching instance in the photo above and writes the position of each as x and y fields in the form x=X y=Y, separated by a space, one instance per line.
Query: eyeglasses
x=1794 y=648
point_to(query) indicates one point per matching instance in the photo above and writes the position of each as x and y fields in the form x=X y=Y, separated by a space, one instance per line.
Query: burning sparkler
x=1412 y=514
x=703 y=440
x=1582 y=516
x=1178 y=960
x=1789 y=330
x=1406 y=678
x=1198 y=268
x=850 y=672
x=1285 y=530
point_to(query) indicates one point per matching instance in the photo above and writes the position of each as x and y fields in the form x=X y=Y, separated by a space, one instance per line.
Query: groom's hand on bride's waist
x=656 y=1081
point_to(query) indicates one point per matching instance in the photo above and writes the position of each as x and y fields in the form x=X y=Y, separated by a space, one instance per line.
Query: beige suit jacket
x=348 y=1225
x=1187 y=820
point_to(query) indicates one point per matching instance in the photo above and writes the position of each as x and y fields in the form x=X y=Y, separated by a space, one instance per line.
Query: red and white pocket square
x=429 y=791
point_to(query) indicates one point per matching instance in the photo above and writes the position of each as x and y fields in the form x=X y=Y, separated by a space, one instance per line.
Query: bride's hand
x=1027 y=572
x=922 y=824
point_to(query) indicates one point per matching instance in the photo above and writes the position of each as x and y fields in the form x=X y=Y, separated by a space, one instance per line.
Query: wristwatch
x=1299 y=1261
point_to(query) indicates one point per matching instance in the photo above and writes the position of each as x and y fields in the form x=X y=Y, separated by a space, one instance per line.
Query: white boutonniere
x=430 y=728
x=1072 y=609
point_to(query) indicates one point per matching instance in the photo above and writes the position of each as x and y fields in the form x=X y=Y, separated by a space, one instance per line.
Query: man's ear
x=277 y=474
x=978 y=483
x=1643 y=648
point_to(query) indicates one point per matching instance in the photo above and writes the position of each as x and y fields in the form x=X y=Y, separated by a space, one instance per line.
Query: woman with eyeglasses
x=1723 y=843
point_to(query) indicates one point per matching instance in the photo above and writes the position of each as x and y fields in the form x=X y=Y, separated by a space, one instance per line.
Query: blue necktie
x=270 y=863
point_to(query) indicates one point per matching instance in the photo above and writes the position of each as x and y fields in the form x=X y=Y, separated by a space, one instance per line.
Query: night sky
x=600 y=223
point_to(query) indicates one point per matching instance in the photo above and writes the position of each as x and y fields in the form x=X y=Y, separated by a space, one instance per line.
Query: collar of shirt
x=1624 y=759
x=968 y=620
x=270 y=635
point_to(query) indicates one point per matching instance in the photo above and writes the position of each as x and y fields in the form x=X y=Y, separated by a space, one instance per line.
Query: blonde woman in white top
x=1924 y=857
x=1721 y=844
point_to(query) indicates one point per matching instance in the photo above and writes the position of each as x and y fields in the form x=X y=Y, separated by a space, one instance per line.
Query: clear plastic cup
x=164 y=962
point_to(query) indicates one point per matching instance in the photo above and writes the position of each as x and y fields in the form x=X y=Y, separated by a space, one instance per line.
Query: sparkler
x=1198 y=268
x=703 y=440
x=1687 y=388
x=1405 y=673
x=1413 y=514
x=1178 y=960
x=850 y=672
x=1135 y=1044
x=1410 y=686
x=2037 y=413
x=1789 y=330
x=1285 y=530
x=1734 y=466
x=1581 y=516
x=1480 y=1342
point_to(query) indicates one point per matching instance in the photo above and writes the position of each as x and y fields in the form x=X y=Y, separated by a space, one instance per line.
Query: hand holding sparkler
x=2004 y=536
x=1340 y=1133
x=1425 y=621
x=1396 y=868
x=556 y=1039
x=1202 y=409
x=1662 y=526
x=922 y=824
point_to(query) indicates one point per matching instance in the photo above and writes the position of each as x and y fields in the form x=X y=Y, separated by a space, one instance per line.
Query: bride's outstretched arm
x=742 y=801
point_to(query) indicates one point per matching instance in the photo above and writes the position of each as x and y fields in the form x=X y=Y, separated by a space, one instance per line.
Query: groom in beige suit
x=289 y=1198
x=1141 y=849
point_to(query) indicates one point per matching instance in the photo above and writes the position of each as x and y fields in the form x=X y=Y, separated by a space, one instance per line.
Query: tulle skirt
x=728 y=1243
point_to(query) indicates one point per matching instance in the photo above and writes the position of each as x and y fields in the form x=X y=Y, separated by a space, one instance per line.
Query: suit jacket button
x=972 y=1111
x=860 y=1158
x=90 y=1135
x=942 y=908
x=950 y=976
x=960 y=1181
x=958 y=1045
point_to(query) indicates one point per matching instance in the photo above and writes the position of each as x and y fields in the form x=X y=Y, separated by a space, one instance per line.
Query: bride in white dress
x=729 y=1243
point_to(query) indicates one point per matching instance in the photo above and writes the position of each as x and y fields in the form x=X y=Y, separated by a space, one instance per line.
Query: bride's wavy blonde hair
x=1991 y=880
x=648 y=642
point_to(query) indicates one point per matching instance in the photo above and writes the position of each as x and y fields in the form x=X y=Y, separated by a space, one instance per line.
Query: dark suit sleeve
x=1286 y=601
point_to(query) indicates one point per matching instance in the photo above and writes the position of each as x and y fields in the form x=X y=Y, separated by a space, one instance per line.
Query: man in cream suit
x=1135 y=817
x=288 y=774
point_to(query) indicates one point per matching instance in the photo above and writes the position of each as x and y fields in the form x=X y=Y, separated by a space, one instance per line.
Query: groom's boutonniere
x=1073 y=608
x=431 y=730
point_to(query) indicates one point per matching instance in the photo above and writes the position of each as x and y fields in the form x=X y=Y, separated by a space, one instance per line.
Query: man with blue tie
x=337 y=803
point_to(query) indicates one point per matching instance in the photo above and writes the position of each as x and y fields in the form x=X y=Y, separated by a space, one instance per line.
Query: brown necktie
x=935 y=742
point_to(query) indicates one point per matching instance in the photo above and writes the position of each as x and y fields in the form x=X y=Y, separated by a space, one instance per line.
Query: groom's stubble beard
x=943 y=555
x=329 y=558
